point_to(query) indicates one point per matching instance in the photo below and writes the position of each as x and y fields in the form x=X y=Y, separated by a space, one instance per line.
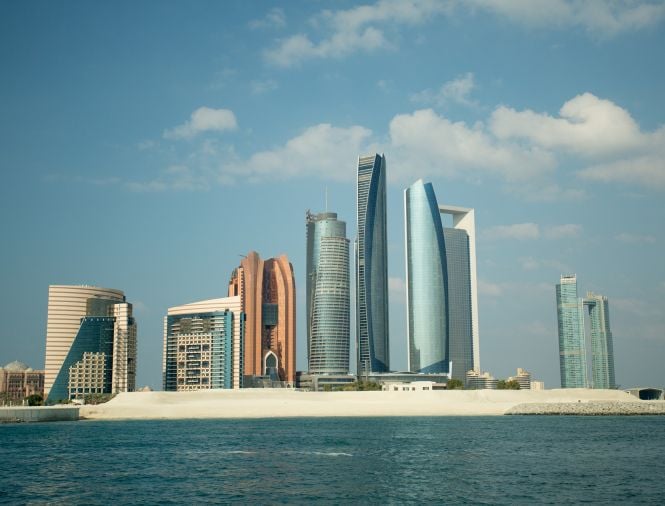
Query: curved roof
x=16 y=366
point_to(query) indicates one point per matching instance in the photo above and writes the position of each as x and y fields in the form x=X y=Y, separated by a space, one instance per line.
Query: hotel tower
x=371 y=248
x=90 y=342
x=328 y=294
x=267 y=294
x=572 y=348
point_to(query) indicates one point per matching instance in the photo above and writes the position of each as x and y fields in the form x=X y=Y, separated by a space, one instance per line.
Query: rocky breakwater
x=590 y=408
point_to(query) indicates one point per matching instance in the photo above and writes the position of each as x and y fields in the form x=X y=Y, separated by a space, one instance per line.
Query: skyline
x=131 y=133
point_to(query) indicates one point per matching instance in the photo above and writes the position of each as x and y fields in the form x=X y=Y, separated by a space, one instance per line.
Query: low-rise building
x=523 y=378
x=476 y=380
x=18 y=381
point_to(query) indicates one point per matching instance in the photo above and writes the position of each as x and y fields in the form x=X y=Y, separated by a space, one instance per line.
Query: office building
x=442 y=295
x=94 y=321
x=427 y=282
x=267 y=294
x=203 y=345
x=572 y=347
x=602 y=352
x=328 y=295
x=18 y=381
x=371 y=250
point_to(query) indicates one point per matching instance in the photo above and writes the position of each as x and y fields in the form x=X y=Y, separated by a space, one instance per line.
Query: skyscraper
x=602 y=350
x=572 y=348
x=203 y=345
x=267 y=294
x=89 y=329
x=328 y=294
x=373 y=353
x=464 y=335
x=442 y=300
x=426 y=281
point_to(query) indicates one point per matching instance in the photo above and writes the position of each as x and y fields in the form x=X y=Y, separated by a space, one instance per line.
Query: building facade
x=464 y=335
x=572 y=346
x=328 y=295
x=18 y=381
x=602 y=347
x=523 y=378
x=203 y=345
x=267 y=293
x=426 y=282
x=371 y=251
x=94 y=321
x=476 y=380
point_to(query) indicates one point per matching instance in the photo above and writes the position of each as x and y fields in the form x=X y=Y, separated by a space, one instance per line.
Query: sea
x=437 y=460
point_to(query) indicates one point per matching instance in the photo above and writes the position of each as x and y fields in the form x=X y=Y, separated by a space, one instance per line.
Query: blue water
x=487 y=460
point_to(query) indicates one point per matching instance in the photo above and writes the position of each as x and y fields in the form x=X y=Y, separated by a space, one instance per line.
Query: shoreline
x=282 y=403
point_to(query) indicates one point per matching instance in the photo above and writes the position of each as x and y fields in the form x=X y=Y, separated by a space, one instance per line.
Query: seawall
x=39 y=414
x=590 y=408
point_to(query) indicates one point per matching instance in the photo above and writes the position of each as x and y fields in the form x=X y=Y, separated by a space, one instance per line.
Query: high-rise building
x=371 y=248
x=426 y=281
x=463 y=336
x=602 y=351
x=267 y=294
x=572 y=348
x=328 y=295
x=203 y=345
x=442 y=296
x=92 y=327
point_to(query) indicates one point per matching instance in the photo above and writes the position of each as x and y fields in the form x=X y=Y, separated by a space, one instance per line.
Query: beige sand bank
x=279 y=403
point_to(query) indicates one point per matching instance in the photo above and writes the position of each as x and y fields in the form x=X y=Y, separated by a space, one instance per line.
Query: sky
x=147 y=146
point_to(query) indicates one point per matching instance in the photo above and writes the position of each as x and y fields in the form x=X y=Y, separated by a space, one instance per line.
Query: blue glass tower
x=426 y=280
x=602 y=348
x=572 y=349
x=372 y=267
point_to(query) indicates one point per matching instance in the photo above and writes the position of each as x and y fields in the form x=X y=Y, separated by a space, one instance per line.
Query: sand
x=282 y=403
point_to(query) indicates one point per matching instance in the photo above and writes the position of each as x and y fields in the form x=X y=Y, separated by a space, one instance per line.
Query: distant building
x=475 y=380
x=442 y=295
x=18 y=381
x=372 y=267
x=523 y=378
x=602 y=348
x=90 y=333
x=328 y=296
x=267 y=294
x=537 y=385
x=416 y=386
x=203 y=345
x=572 y=349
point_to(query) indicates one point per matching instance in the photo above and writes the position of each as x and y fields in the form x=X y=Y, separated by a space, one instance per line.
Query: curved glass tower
x=572 y=346
x=372 y=267
x=328 y=295
x=426 y=280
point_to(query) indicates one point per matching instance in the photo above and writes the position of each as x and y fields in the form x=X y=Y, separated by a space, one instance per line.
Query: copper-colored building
x=267 y=292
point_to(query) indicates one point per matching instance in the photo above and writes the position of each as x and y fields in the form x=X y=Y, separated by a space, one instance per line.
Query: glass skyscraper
x=328 y=294
x=372 y=267
x=427 y=281
x=602 y=352
x=572 y=348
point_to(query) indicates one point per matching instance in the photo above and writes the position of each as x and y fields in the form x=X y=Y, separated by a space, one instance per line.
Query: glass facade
x=572 y=348
x=427 y=281
x=328 y=295
x=460 y=333
x=372 y=267
x=602 y=348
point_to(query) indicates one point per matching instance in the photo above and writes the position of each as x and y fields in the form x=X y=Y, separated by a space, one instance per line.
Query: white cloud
x=487 y=288
x=455 y=91
x=647 y=171
x=533 y=264
x=175 y=177
x=202 y=120
x=599 y=17
x=275 y=18
x=518 y=231
x=352 y=30
x=562 y=231
x=635 y=238
x=427 y=144
x=261 y=87
x=362 y=28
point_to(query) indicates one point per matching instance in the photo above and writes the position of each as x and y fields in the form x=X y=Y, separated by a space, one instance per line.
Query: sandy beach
x=278 y=403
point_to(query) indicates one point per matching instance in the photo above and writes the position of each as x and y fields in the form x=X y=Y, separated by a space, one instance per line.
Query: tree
x=34 y=400
x=507 y=385
x=455 y=384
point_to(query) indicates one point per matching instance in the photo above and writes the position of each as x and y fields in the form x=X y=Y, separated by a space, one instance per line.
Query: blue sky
x=145 y=146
